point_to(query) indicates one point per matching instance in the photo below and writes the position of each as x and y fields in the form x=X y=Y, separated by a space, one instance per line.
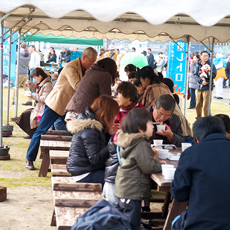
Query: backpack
x=102 y=216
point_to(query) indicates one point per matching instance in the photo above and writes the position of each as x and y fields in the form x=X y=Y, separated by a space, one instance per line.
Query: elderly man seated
x=202 y=178
x=162 y=112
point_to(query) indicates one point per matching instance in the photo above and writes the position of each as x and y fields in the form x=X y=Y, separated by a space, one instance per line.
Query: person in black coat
x=202 y=178
x=89 y=151
x=150 y=58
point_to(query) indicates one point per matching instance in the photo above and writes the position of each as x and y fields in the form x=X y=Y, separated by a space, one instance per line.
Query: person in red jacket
x=127 y=99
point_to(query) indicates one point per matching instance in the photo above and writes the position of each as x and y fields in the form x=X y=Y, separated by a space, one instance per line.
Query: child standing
x=132 y=184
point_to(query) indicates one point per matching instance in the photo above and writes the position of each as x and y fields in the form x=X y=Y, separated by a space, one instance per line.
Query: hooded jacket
x=88 y=151
x=24 y=61
x=137 y=163
x=95 y=83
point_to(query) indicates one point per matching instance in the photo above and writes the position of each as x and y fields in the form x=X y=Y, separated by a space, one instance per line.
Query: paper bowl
x=164 y=166
x=160 y=127
x=27 y=93
x=157 y=142
x=185 y=146
x=163 y=153
x=169 y=173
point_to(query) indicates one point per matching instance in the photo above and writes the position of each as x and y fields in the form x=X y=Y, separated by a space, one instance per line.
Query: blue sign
x=6 y=57
x=176 y=69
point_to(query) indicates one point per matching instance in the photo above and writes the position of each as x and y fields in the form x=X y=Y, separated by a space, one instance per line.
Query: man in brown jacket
x=57 y=100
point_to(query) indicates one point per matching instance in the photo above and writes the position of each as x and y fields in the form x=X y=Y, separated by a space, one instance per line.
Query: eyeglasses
x=162 y=115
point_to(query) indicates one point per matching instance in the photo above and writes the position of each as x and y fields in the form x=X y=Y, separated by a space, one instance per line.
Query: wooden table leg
x=165 y=207
x=176 y=209
x=44 y=165
x=53 y=220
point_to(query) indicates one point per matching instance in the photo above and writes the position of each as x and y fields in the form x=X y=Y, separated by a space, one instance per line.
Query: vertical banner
x=177 y=65
x=6 y=58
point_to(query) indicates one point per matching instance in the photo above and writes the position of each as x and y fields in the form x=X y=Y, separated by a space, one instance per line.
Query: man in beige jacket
x=59 y=97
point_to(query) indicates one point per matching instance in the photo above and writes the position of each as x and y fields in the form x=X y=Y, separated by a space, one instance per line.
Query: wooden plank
x=176 y=209
x=68 y=184
x=56 y=138
x=58 y=154
x=73 y=202
x=56 y=132
x=59 y=170
x=77 y=195
x=66 y=217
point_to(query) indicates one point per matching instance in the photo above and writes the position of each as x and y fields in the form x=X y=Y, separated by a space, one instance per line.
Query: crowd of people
x=199 y=85
x=112 y=128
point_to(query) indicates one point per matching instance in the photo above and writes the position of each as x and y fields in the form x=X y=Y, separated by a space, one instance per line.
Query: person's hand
x=155 y=150
x=163 y=162
x=204 y=82
x=166 y=133
x=28 y=82
x=115 y=127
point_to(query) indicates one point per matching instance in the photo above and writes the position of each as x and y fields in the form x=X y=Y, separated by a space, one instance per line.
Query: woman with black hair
x=67 y=57
x=52 y=56
x=28 y=121
x=130 y=68
x=152 y=85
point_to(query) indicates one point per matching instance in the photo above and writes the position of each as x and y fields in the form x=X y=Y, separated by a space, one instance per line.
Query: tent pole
x=17 y=79
x=8 y=91
x=19 y=29
x=210 y=82
x=1 y=85
x=6 y=15
x=32 y=34
x=22 y=34
x=206 y=46
x=26 y=16
x=177 y=43
x=186 y=76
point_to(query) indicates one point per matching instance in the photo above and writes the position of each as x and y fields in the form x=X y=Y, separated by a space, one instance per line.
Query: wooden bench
x=59 y=170
x=56 y=132
x=46 y=146
x=71 y=200
x=58 y=156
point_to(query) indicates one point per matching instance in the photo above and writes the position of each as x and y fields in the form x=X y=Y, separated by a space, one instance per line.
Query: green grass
x=13 y=172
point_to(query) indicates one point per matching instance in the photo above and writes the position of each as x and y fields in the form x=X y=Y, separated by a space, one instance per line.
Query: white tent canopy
x=134 y=19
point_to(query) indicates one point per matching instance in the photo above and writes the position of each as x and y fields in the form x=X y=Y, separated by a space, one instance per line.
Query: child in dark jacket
x=133 y=182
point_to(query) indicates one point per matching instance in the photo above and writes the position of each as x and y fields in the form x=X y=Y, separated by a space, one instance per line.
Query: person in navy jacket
x=202 y=178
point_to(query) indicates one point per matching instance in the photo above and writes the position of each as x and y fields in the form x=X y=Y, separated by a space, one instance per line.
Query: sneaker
x=30 y=165
x=27 y=137
x=219 y=98
x=27 y=103
x=14 y=119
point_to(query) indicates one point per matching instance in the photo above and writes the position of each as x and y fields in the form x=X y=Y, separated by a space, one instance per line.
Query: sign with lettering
x=6 y=57
x=176 y=69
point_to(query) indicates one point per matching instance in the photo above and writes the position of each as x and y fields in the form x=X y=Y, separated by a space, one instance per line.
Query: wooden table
x=165 y=185
x=47 y=145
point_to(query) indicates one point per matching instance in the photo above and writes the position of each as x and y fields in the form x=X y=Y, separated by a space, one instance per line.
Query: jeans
x=94 y=177
x=58 y=124
x=47 y=119
x=193 y=98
